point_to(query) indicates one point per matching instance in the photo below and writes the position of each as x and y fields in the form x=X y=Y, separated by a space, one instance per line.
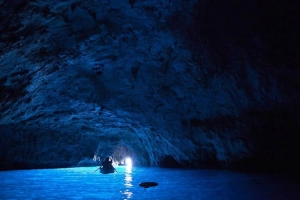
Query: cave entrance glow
x=128 y=162
x=122 y=155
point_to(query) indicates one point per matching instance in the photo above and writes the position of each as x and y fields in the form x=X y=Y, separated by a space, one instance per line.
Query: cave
x=197 y=84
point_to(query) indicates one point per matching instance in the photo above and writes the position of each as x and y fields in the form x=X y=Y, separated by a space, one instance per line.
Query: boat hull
x=107 y=170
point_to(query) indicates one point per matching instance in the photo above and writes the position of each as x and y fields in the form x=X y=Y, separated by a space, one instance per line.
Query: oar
x=115 y=170
x=98 y=168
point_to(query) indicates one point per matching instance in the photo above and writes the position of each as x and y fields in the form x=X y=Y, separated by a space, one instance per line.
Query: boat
x=148 y=184
x=104 y=170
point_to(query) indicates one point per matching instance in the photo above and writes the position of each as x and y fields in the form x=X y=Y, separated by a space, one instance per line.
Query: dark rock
x=202 y=84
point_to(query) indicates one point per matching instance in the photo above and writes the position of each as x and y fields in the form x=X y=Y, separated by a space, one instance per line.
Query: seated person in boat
x=107 y=164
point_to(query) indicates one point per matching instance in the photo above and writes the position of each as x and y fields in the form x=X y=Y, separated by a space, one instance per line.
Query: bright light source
x=128 y=162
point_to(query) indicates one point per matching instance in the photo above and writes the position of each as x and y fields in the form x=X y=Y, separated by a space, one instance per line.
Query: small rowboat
x=107 y=170
x=148 y=184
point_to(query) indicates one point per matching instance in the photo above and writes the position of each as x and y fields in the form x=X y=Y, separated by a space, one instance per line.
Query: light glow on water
x=85 y=183
x=128 y=182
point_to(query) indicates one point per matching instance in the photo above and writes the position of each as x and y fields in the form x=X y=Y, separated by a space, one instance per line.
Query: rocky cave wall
x=195 y=84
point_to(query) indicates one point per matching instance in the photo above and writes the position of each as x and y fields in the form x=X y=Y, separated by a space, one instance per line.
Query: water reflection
x=128 y=180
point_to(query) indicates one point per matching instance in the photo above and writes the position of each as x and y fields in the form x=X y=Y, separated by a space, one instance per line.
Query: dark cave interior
x=202 y=84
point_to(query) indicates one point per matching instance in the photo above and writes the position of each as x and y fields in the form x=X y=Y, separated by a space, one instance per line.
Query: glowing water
x=84 y=183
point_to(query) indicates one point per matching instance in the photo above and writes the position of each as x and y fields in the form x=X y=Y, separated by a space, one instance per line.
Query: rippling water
x=85 y=183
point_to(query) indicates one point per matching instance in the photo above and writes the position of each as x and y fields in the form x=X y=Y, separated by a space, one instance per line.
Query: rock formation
x=168 y=83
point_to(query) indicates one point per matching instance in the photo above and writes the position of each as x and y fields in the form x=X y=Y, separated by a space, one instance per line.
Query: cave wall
x=194 y=84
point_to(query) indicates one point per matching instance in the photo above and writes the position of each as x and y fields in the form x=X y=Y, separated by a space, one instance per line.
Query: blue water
x=84 y=183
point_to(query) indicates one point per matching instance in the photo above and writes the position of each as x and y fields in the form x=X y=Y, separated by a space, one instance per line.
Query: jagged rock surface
x=84 y=78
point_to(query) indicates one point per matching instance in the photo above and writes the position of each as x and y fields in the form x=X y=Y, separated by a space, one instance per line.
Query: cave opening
x=122 y=155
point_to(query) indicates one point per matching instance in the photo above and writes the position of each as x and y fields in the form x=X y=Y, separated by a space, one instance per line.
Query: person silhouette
x=107 y=163
x=107 y=166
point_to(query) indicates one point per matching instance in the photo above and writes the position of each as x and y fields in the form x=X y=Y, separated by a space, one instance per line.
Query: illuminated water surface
x=85 y=183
